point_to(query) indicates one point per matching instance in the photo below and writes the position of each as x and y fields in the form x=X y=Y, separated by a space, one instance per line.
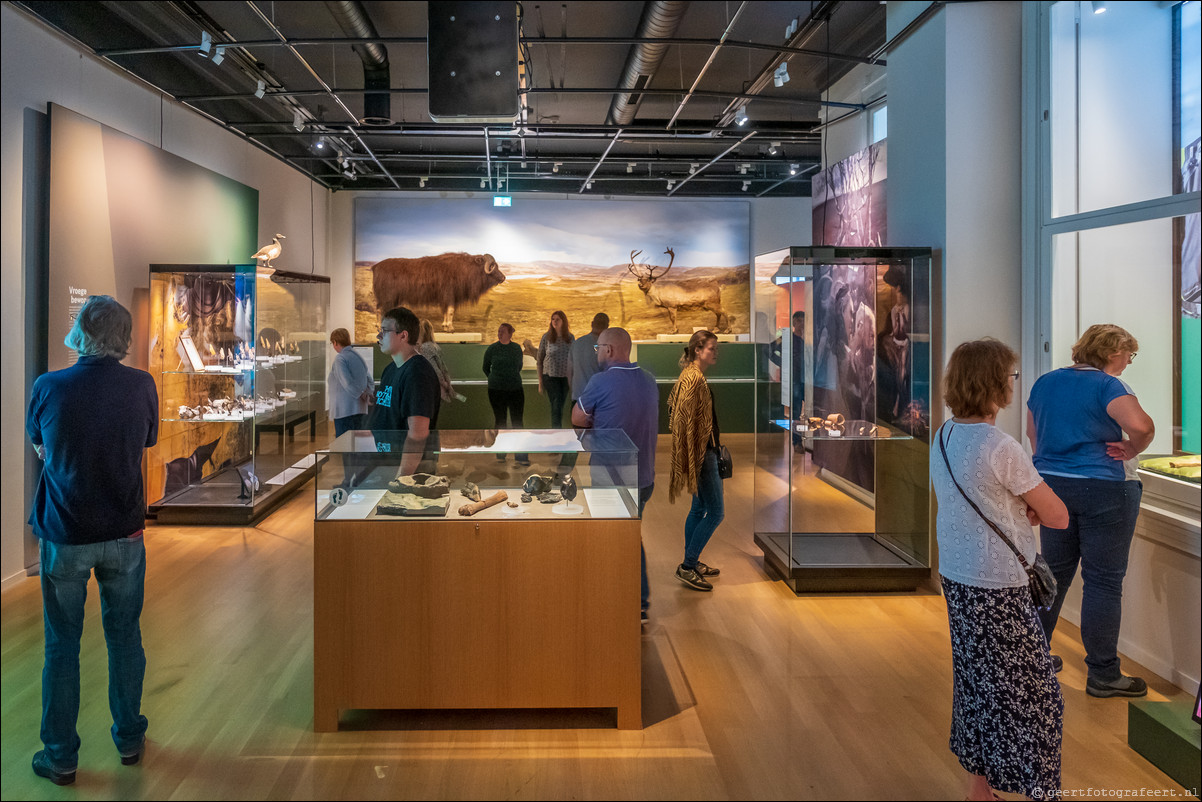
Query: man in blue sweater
x=624 y=396
x=90 y=424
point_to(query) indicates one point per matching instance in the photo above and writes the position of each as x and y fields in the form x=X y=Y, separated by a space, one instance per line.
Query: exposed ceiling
x=579 y=127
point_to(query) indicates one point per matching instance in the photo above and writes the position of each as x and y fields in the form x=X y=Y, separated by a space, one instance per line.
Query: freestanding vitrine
x=843 y=418
x=477 y=569
x=239 y=356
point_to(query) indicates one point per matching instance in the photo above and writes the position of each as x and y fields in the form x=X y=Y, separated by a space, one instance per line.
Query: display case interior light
x=502 y=200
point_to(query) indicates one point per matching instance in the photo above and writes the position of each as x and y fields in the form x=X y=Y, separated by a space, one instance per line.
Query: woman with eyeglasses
x=1087 y=428
x=1007 y=708
x=553 y=365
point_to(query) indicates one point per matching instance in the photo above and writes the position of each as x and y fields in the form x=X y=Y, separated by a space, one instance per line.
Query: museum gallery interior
x=841 y=192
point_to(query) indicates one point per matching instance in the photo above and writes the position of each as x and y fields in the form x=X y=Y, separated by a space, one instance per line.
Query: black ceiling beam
x=600 y=90
x=535 y=40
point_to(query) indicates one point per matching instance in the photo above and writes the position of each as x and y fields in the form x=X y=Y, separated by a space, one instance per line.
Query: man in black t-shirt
x=409 y=394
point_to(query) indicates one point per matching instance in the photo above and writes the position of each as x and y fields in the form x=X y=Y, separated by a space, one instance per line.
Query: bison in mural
x=447 y=281
x=697 y=293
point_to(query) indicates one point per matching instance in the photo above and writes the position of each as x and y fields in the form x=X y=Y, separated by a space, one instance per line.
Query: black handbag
x=726 y=466
x=1039 y=576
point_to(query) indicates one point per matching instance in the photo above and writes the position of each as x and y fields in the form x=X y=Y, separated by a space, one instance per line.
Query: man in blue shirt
x=624 y=396
x=90 y=423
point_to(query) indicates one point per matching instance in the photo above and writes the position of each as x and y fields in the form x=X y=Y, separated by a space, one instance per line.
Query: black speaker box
x=472 y=52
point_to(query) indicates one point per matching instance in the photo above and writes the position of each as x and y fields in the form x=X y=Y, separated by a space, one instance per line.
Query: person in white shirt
x=1007 y=710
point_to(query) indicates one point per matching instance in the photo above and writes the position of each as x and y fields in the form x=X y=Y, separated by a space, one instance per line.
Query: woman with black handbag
x=1007 y=709
x=698 y=458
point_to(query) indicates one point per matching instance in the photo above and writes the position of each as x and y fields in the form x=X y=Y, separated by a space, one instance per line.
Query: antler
x=630 y=267
x=671 y=254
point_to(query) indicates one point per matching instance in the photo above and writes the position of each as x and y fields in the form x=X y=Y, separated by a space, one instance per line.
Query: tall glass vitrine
x=239 y=356
x=843 y=417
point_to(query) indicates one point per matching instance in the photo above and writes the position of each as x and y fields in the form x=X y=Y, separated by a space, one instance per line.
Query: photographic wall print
x=467 y=266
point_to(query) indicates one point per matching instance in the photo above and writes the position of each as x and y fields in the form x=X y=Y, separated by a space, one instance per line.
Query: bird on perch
x=269 y=252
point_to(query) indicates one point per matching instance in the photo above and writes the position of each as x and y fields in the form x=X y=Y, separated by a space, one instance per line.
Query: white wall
x=863 y=84
x=40 y=67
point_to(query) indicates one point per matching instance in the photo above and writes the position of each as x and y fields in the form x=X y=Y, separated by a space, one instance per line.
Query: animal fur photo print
x=653 y=267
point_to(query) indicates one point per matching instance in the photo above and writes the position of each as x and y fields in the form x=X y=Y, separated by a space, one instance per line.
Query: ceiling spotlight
x=792 y=169
x=1099 y=7
x=219 y=56
x=781 y=76
x=261 y=89
x=743 y=168
x=483 y=183
x=588 y=184
x=298 y=120
x=741 y=115
x=792 y=29
x=555 y=167
x=693 y=168
x=671 y=183
x=746 y=185
x=630 y=166
x=349 y=174
x=774 y=149
x=206 y=44
x=320 y=144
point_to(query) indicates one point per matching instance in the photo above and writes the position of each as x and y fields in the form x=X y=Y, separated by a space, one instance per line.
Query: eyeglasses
x=1131 y=358
x=384 y=331
x=1015 y=375
x=599 y=346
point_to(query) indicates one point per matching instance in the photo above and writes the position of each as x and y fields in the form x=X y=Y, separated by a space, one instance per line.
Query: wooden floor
x=749 y=692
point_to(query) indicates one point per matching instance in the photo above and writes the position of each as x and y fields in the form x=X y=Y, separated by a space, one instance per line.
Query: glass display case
x=238 y=353
x=481 y=569
x=490 y=474
x=843 y=418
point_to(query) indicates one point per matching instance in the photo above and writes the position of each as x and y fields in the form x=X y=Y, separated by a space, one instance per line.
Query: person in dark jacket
x=89 y=424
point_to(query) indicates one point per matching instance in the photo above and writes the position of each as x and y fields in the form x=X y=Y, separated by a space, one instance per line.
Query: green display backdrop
x=732 y=382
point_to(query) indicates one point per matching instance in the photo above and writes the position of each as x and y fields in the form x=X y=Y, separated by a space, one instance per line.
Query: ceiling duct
x=660 y=21
x=352 y=17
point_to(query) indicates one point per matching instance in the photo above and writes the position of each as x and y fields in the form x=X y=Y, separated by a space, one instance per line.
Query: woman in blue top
x=1076 y=420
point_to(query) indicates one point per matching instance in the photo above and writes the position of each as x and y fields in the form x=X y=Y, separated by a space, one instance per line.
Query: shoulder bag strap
x=992 y=525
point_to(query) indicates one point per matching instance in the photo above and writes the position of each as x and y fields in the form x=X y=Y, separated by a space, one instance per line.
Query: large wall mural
x=654 y=268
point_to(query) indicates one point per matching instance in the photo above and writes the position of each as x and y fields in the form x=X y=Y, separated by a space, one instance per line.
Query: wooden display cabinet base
x=462 y=614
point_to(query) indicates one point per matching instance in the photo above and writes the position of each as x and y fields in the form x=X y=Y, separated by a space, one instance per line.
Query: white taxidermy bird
x=272 y=251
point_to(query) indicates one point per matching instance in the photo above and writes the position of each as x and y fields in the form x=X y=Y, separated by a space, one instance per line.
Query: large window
x=1117 y=236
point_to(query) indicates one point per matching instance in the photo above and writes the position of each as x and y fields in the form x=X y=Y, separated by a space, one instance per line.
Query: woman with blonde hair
x=693 y=423
x=1007 y=710
x=432 y=351
x=1086 y=428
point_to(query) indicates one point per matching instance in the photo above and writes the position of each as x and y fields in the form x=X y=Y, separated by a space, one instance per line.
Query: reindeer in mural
x=688 y=294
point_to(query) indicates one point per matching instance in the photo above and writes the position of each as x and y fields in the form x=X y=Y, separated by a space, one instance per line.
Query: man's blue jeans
x=1102 y=517
x=707 y=510
x=120 y=567
x=644 y=497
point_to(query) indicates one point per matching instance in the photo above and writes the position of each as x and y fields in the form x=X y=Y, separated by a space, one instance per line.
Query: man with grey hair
x=90 y=424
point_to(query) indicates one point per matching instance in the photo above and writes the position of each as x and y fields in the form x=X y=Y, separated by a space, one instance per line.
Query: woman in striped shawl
x=693 y=423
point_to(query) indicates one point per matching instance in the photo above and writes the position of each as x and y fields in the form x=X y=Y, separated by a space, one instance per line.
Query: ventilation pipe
x=352 y=17
x=660 y=21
